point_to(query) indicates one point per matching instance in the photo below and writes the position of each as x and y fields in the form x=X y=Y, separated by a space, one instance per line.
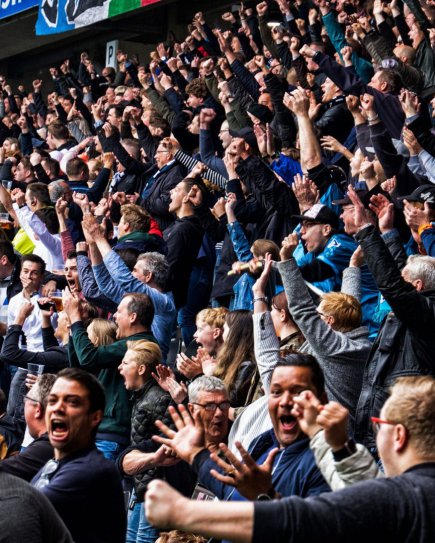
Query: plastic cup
x=56 y=296
x=35 y=369
x=4 y=221
x=7 y=185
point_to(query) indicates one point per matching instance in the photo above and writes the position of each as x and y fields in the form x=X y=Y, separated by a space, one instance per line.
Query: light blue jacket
x=115 y=279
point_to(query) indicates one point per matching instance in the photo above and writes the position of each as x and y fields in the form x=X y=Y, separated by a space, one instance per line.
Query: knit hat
x=262 y=113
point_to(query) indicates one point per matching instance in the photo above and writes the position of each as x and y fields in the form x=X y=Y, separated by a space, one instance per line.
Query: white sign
x=111 y=49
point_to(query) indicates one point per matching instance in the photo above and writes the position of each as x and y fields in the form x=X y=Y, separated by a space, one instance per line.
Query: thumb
x=268 y=463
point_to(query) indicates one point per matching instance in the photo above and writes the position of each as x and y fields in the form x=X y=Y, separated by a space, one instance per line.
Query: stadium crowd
x=217 y=282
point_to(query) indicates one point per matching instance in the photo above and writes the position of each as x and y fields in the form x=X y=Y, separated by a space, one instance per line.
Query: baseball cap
x=425 y=193
x=248 y=135
x=320 y=213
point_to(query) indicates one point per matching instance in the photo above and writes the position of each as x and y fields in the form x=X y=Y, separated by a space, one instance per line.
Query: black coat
x=405 y=344
x=158 y=197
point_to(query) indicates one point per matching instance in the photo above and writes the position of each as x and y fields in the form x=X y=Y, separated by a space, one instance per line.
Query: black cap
x=425 y=193
x=246 y=134
x=262 y=113
x=322 y=214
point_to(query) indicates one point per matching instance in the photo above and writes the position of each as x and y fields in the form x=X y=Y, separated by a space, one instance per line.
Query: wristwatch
x=348 y=449
x=264 y=497
x=264 y=299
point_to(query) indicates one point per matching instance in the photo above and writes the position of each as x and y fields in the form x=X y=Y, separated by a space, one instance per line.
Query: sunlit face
x=207 y=336
x=123 y=319
x=348 y=218
x=70 y=423
x=286 y=383
x=194 y=101
x=72 y=274
x=215 y=422
x=31 y=273
x=376 y=82
x=314 y=236
x=329 y=90
x=162 y=156
x=21 y=173
x=178 y=194
x=138 y=271
x=63 y=325
x=131 y=372
x=224 y=134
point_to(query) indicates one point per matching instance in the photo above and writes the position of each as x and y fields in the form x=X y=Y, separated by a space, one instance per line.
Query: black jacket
x=158 y=193
x=406 y=340
x=54 y=357
x=183 y=239
x=277 y=201
x=27 y=464
x=151 y=404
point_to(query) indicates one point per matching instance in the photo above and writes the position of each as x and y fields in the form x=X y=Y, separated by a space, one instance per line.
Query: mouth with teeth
x=58 y=430
x=288 y=423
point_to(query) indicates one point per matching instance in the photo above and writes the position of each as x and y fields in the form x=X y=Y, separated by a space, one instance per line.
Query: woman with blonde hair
x=101 y=332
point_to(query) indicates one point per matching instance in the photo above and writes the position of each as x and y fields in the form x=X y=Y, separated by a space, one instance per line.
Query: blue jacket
x=114 y=279
x=294 y=471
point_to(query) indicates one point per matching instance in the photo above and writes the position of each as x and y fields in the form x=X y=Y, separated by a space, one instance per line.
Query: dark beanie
x=262 y=113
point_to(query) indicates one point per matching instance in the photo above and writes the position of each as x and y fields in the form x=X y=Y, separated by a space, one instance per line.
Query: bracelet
x=264 y=299
x=375 y=118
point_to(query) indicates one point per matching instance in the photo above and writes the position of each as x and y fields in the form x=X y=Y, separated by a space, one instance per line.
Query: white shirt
x=32 y=327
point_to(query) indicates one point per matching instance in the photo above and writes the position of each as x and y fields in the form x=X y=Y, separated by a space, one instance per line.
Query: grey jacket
x=342 y=356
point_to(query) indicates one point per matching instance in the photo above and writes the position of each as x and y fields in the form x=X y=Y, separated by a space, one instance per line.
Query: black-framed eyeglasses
x=47 y=473
x=223 y=406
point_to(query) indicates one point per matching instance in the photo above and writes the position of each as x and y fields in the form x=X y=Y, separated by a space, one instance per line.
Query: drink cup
x=4 y=221
x=35 y=369
x=56 y=296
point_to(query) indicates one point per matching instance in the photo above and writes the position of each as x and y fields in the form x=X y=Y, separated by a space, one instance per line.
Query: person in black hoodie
x=183 y=238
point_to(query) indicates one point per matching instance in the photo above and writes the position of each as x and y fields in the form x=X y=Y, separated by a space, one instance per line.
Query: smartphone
x=47 y=306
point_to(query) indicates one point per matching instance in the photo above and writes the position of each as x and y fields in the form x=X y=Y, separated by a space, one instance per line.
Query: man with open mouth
x=83 y=486
x=280 y=460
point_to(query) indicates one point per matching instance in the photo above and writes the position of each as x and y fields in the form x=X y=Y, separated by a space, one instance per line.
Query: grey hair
x=56 y=190
x=40 y=391
x=205 y=383
x=423 y=268
x=157 y=264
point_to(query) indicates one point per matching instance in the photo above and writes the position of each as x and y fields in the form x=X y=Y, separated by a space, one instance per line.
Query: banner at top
x=11 y=7
x=61 y=15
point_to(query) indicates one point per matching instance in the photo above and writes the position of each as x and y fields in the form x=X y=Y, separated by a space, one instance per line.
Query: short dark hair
x=142 y=305
x=117 y=110
x=129 y=256
x=58 y=130
x=40 y=192
x=34 y=258
x=75 y=167
x=48 y=216
x=52 y=165
x=71 y=254
x=97 y=398
x=305 y=361
x=393 y=80
x=7 y=249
